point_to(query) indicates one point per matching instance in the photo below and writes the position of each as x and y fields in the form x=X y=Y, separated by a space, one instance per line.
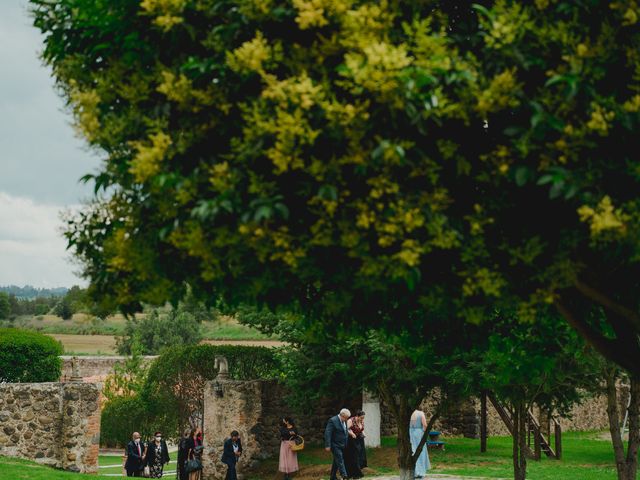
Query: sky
x=41 y=160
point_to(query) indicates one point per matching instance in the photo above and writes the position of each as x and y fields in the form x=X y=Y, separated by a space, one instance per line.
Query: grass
x=586 y=457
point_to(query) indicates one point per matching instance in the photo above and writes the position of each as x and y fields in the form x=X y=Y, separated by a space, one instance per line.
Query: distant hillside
x=29 y=292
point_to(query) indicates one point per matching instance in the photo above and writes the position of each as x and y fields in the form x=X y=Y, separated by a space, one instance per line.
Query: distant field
x=87 y=344
x=84 y=335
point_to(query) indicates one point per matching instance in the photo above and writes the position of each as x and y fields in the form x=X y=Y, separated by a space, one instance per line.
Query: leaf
x=328 y=192
x=543 y=180
x=481 y=9
x=263 y=212
x=556 y=189
x=523 y=175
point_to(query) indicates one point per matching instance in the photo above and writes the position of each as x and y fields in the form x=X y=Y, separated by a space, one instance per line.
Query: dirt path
x=248 y=343
x=106 y=344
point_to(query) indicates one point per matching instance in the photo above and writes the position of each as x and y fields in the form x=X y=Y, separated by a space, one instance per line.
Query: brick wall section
x=55 y=424
x=93 y=369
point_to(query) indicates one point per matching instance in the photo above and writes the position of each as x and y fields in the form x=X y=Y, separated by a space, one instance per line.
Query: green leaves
x=560 y=181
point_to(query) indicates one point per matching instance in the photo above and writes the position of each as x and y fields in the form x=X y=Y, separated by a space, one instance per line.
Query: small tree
x=63 y=309
x=5 y=306
x=610 y=377
x=160 y=329
x=542 y=363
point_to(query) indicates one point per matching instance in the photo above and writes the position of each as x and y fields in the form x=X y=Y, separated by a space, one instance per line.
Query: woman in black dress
x=183 y=451
x=355 y=457
x=157 y=455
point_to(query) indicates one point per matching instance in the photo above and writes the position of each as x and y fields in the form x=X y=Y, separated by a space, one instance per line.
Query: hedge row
x=27 y=356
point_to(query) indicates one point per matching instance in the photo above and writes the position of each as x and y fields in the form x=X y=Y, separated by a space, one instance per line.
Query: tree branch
x=607 y=347
x=597 y=296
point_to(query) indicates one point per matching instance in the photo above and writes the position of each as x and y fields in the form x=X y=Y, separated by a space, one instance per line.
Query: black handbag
x=192 y=465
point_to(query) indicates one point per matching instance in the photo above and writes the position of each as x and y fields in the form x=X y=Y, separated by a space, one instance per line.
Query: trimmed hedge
x=27 y=356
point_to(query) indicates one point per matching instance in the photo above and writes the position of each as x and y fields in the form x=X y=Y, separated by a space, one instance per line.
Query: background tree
x=159 y=329
x=5 y=306
x=543 y=363
x=63 y=309
x=610 y=379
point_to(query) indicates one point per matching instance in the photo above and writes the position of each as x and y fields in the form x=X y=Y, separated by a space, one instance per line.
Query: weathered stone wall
x=93 y=369
x=255 y=409
x=56 y=424
x=591 y=414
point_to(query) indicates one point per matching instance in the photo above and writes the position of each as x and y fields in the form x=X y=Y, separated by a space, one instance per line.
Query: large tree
x=403 y=368
x=361 y=159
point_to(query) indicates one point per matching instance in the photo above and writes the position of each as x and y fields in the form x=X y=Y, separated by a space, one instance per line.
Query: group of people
x=343 y=437
x=148 y=459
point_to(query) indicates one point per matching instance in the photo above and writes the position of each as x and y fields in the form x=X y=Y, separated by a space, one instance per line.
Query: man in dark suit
x=232 y=450
x=335 y=441
x=136 y=456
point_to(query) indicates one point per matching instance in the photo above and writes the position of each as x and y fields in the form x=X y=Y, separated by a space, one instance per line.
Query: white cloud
x=32 y=248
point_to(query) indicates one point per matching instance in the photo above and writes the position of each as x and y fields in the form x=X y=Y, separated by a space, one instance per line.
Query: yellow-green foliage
x=349 y=149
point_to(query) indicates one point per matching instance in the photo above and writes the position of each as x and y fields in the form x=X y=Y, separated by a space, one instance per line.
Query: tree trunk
x=519 y=437
x=401 y=410
x=634 y=430
x=405 y=457
x=626 y=465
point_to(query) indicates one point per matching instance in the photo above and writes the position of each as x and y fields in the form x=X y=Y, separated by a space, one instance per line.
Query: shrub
x=173 y=389
x=27 y=356
x=63 y=309
x=120 y=418
x=160 y=330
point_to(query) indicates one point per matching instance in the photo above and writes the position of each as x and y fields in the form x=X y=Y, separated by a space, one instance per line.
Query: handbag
x=297 y=443
x=192 y=465
x=147 y=472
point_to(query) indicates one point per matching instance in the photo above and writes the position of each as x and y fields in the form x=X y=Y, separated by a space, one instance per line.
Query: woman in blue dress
x=417 y=426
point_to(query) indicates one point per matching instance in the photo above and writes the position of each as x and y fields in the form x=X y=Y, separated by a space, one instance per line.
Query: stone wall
x=55 y=424
x=255 y=409
x=93 y=369
x=591 y=414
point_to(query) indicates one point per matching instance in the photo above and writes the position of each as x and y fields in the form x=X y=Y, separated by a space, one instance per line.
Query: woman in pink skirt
x=288 y=458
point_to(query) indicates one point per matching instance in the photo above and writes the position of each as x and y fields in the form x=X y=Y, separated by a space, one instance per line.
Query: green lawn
x=586 y=457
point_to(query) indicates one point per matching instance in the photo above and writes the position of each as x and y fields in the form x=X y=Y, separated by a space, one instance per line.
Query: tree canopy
x=361 y=160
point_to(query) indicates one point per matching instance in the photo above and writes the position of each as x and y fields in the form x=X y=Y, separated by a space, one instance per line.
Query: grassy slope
x=586 y=458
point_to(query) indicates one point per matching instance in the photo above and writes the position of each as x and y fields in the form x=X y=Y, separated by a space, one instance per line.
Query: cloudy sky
x=41 y=160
